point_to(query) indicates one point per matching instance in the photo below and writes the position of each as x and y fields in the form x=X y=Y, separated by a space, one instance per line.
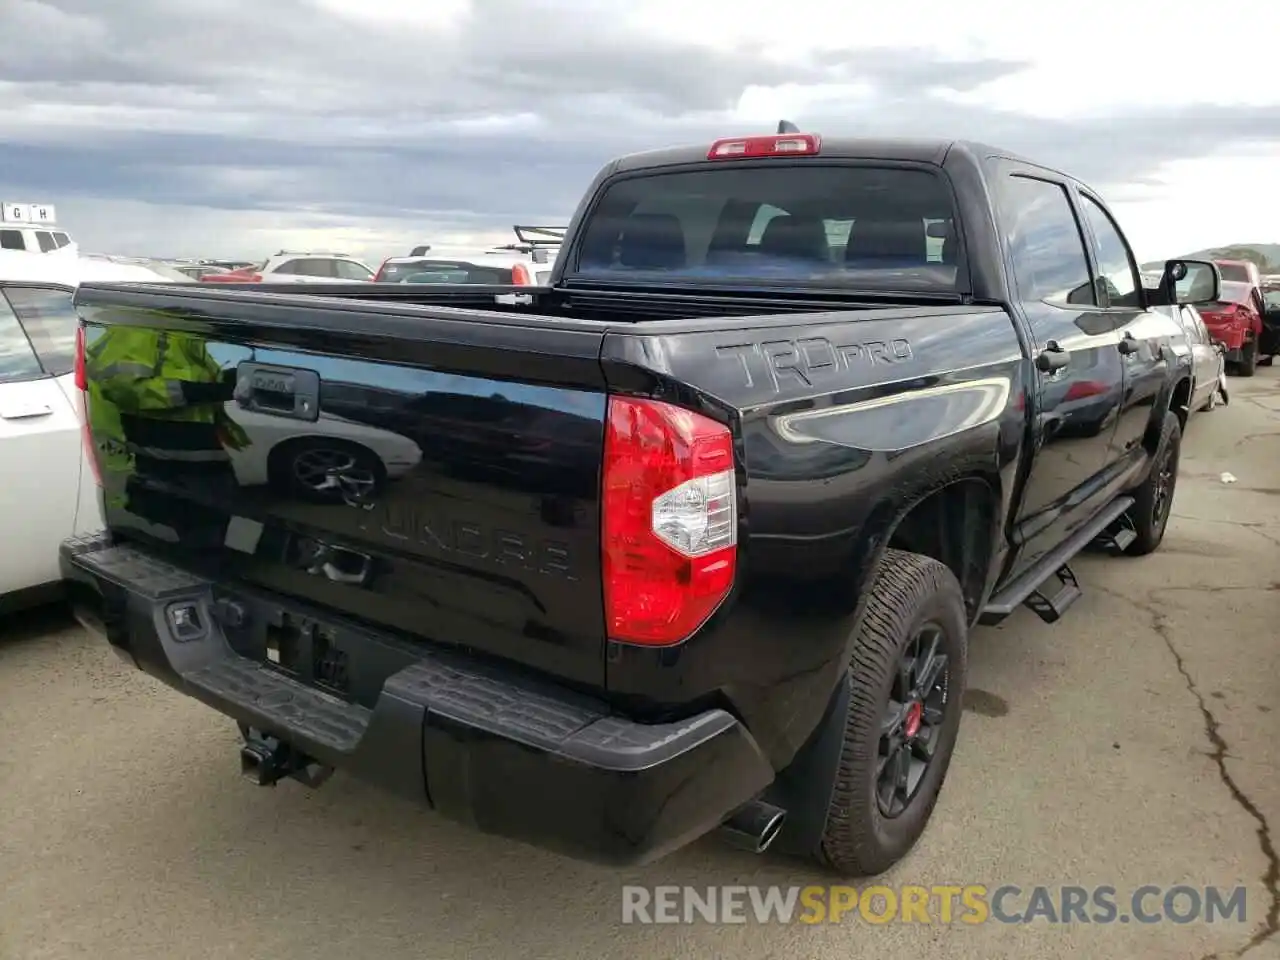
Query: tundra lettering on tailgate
x=809 y=359
x=466 y=539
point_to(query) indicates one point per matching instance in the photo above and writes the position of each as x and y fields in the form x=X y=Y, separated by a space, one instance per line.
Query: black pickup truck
x=691 y=541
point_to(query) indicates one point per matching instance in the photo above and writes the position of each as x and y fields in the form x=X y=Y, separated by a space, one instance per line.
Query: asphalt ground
x=1134 y=743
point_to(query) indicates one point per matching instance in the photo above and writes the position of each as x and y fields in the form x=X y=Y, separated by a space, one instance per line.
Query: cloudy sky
x=232 y=128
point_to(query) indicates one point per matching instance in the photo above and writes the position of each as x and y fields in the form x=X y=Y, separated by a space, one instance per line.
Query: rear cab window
x=1235 y=273
x=851 y=225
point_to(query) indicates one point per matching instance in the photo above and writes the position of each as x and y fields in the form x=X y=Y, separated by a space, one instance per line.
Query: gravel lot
x=1134 y=743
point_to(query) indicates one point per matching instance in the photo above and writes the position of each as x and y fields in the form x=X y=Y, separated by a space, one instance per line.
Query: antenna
x=786 y=126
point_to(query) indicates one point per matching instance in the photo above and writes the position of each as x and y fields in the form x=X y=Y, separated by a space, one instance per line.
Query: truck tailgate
x=438 y=476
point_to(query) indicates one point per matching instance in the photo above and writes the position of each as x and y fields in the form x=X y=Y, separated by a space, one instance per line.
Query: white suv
x=298 y=267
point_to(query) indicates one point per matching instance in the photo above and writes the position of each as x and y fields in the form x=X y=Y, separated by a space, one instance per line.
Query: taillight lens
x=670 y=520
x=82 y=384
x=781 y=145
x=1084 y=388
x=520 y=276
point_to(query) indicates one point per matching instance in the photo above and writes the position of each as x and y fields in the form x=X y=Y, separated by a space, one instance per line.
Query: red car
x=247 y=275
x=1236 y=320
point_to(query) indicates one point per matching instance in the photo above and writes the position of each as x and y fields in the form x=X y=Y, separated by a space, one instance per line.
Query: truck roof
x=932 y=151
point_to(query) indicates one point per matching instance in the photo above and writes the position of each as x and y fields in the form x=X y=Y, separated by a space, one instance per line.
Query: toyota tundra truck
x=698 y=535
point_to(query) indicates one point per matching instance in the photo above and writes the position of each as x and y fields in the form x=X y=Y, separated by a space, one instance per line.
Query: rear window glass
x=1234 y=292
x=50 y=321
x=844 y=226
x=1235 y=273
x=11 y=240
x=444 y=271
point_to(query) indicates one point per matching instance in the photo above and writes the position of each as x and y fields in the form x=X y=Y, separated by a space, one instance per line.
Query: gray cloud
x=287 y=109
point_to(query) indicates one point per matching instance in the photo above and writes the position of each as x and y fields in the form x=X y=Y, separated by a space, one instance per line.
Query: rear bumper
x=501 y=752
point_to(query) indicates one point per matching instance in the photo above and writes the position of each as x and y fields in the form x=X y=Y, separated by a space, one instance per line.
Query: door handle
x=1052 y=357
x=1128 y=345
x=26 y=413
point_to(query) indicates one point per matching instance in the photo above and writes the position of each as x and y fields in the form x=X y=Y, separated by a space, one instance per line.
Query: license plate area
x=338 y=656
x=309 y=651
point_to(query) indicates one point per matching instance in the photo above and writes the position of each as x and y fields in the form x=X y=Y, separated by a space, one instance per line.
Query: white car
x=298 y=267
x=332 y=459
x=1208 y=362
x=48 y=492
x=527 y=262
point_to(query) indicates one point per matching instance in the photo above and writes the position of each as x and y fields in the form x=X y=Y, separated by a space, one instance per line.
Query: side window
x=314 y=268
x=1117 y=273
x=61 y=239
x=46 y=241
x=349 y=270
x=11 y=240
x=291 y=267
x=1049 y=261
x=48 y=316
x=17 y=360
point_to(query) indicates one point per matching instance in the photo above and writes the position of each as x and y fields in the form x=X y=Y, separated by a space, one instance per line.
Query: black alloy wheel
x=912 y=721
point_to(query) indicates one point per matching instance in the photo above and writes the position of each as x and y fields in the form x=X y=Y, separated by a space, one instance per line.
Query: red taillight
x=669 y=538
x=520 y=276
x=81 y=382
x=779 y=145
x=1084 y=388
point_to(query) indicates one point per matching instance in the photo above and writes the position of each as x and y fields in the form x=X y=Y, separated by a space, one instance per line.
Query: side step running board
x=1051 y=608
x=1026 y=588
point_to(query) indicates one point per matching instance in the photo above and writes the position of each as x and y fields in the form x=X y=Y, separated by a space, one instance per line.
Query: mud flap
x=805 y=787
x=1222 y=388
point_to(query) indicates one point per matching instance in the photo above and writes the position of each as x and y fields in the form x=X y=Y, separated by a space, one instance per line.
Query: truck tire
x=1154 y=499
x=915 y=610
x=1248 y=359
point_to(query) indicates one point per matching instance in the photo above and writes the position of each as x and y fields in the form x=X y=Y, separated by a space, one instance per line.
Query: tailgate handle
x=289 y=392
x=26 y=413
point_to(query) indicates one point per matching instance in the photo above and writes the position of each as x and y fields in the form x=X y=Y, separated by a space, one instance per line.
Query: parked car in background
x=47 y=492
x=33 y=228
x=527 y=262
x=1236 y=320
x=1240 y=271
x=198 y=271
x=298 y=267
x=1270 y=344
x=1208 y=362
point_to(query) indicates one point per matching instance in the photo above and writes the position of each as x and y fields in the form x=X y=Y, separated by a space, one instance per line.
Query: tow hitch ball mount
x=266 y=760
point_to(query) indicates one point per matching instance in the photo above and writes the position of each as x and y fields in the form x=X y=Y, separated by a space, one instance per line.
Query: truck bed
x=481 y=431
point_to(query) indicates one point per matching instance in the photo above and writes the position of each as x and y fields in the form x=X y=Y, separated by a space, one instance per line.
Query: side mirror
x=1193 y=282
